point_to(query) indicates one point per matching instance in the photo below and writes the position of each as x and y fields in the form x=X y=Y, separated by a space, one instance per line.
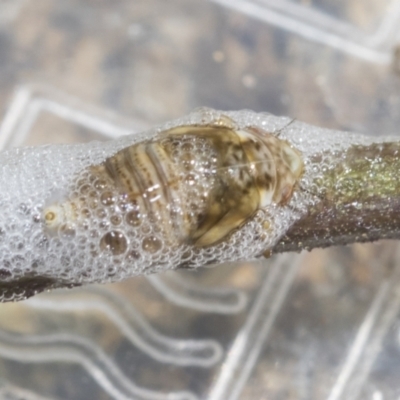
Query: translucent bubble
x=134 y=218
x=36 y=217
x=100 y=184
x=151 y=244
x=123 y=203
x=101 y=213
x=84 y=189
x=187 y=147
x=86 y=212
x=111 y=271
x=266 y=225
x=93 y=202
x=115 y=219
x=107 y=198
x=133 y=255
x=114 y=241
x=67 y=231
x=93 y=234
x=104 y=224
x=23 y=208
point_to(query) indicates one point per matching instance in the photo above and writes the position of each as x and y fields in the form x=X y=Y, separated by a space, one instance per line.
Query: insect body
x=196 y=184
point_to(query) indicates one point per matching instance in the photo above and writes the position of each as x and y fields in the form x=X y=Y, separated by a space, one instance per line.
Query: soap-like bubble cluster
x=196 y=174
x=64 y=223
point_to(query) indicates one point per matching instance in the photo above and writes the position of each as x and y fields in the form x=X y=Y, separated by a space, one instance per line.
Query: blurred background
x=319 y=325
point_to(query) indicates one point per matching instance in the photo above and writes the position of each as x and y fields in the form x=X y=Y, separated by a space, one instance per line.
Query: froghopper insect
x=197 y=183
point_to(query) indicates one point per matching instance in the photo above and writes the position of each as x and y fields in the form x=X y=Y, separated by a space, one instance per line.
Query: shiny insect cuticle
x=193 y=184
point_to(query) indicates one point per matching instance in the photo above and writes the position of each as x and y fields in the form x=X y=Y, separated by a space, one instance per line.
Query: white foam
x=31 y=178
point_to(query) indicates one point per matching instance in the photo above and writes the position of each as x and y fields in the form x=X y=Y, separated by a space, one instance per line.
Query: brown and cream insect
x=198 y=183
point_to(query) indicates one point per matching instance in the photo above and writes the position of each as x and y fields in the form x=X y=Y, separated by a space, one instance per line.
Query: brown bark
x=359 y=201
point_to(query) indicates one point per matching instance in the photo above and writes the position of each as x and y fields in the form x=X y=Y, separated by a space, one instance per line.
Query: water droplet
x=151 y=244
x=107 y=198
x=134 y=218
x=115 y=241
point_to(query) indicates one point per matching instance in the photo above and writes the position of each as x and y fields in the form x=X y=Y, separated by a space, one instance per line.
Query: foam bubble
x=104 y=237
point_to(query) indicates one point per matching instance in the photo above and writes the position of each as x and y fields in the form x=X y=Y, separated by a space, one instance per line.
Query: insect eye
x=50 y=216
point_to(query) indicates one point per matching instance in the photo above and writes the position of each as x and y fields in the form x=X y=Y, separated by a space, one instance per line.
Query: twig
x=359 y=200
x=349 y=192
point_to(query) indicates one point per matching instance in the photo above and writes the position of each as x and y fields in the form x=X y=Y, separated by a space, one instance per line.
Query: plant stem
x=360 y=201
